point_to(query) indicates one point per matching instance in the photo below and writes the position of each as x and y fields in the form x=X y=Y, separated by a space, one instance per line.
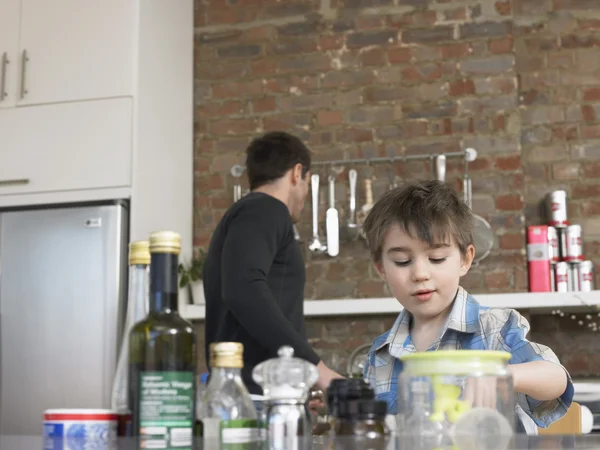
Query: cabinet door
x=68 y=146
x=76 y=49
x=9 y=50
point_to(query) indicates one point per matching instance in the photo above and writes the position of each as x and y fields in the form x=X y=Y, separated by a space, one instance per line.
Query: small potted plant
x=190 y=276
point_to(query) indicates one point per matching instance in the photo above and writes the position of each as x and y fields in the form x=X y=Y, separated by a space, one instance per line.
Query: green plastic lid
x=455 y=362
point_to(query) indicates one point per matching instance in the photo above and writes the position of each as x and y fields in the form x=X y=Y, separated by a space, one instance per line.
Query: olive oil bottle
x=162 y=357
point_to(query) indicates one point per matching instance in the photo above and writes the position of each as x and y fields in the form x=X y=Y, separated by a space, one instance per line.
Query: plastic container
x=70 y=429
x=461 y=398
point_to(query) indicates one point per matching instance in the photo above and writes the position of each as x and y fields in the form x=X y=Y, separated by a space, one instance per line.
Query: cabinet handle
x=13 y=182
x=24 y=60
x=5 y=62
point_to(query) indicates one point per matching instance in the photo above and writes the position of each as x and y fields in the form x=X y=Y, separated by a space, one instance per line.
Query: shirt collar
x=463 y=317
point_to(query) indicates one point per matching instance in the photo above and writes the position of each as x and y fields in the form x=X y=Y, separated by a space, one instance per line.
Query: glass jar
x=360 y=425
x=461 y=398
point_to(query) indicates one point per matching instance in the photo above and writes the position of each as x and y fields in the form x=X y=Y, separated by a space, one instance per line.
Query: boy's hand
x=481 y=392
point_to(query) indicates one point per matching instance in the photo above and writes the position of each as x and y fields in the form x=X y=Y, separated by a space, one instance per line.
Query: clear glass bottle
x=137 y=308
x=229 y=418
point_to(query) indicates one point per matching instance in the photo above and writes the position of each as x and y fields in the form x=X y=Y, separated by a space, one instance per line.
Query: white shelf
x=535 y=302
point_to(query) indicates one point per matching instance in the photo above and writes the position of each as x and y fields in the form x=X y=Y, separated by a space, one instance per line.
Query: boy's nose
x=420 y=271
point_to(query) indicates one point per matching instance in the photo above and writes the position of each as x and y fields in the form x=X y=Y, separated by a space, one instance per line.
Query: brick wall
x=516 y=79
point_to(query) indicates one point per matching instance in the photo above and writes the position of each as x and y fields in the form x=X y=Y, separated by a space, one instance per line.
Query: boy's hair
x=432 y=209
x=270 y=156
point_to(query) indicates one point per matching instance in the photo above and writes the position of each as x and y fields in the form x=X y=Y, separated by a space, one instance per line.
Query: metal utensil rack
x=469 y=155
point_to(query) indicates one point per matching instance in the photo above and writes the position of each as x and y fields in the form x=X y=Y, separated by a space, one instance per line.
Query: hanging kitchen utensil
x=316 y=245
x=332 y=222
x=236 y=172
x=367 y=206
x=297 y=236
x=357 y=360
x=352 y=225
x=440 y=168
x=391 y=177
x=483 y=236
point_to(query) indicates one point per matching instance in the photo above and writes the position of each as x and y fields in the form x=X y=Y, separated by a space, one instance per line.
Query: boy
x=421 y=241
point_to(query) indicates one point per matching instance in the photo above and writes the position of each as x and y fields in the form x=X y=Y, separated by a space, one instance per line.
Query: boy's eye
x=402 y=263
x=437 y=260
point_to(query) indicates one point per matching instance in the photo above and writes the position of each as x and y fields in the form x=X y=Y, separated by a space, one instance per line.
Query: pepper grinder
x=286 y=382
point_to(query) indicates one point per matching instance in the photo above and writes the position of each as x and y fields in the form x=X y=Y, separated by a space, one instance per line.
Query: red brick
x=590 y=131
x=566 y=171
x=230 y=16
x=399 y=55
x=351 y=135
x=265 y=104
x=590 y=208
x=564 y=132
x=422 y=72
x=496 y=280
x=234 y=126
x=209 y=182
x=455 y=14
x=331 y=42
x=372 y=57
x=371 y=289
x=591 y=170
x=586 y=24
x=222 y=162
x=201 y=165
x=503 y=8
x=509 y=203
x=368 y=22
x=499 y=123
x=260 y=34
x=511 y=162
x=502 y=45
x=460 y=88
x=264 y=67
x=591 y=94
x=328 y=118
x=211 y=110
x=481 y=163
x=237 y=89
x=588 y=113
x=585 y=191
x=512 y=241
x=460 y=50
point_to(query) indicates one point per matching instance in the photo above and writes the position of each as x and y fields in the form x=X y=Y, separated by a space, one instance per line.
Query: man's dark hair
x=430 y=209
x=270 y=156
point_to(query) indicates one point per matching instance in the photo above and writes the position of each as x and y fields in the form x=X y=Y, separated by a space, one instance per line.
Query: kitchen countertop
x=521 y=442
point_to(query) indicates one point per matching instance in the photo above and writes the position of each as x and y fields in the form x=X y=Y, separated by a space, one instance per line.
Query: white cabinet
x=9 y=49
x=68 y=50
x=82 y=145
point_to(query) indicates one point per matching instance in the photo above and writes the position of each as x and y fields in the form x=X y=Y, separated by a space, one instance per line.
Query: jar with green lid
x=456 y=399
x=360 y=425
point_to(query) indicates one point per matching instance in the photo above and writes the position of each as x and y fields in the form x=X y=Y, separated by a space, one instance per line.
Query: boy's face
x=424 y=279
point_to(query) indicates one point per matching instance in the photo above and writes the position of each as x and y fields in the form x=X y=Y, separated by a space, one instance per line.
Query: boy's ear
x=296 y=174
x=467 y=260
x=379 y=268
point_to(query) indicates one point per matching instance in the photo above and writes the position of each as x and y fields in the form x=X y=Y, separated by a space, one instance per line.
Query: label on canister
x=67 y=429
x=585 y=276
x=553 y=247
x=561 y=276
x=557 y=208
x=574 y=243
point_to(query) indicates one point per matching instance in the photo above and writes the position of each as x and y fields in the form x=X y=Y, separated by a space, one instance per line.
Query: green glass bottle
x=162 y=357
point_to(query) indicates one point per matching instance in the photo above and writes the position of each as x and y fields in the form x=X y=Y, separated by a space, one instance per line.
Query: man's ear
x=297 y=173
x=379 y=269
x=467 y=260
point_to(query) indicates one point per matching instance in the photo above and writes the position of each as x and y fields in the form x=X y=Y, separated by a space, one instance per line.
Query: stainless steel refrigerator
x=63 y=276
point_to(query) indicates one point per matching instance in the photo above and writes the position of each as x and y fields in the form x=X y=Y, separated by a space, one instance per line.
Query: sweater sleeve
x=250 y=247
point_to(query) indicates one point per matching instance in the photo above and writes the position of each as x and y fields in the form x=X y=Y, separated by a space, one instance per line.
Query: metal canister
x=573 y=276
x=561 y=276
x=562 y=243
x=552 y=277
x=553 y=248
x=585 y=275
x=557 y=209
x=574 y=244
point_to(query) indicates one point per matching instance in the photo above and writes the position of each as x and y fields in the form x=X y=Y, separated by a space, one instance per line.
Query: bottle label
x=166 y=409
x=239 y=431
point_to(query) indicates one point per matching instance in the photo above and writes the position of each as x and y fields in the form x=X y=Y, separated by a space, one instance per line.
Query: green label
x=239 y=431
x=166 y=409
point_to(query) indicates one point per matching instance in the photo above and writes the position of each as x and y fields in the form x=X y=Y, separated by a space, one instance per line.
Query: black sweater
x=254 y=279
